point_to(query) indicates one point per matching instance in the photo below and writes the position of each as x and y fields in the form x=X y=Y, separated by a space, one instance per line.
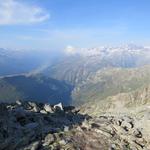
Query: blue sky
x=55 y=24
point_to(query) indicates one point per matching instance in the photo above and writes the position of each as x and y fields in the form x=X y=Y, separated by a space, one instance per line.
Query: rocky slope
x=37 y=126
x=109 y=82
x=136 y=102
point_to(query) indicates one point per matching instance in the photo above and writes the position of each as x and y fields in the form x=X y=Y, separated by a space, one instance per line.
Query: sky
x=56 y=24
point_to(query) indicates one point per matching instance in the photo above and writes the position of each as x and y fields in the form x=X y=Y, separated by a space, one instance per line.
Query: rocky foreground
x=37 y=126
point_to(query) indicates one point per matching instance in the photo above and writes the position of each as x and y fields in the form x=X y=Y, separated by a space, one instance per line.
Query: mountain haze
x=79 y=77
x=100 y=72
x=76 y=66
x=23 y=61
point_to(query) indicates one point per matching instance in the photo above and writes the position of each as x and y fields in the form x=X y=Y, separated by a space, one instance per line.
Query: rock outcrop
x=37 y=126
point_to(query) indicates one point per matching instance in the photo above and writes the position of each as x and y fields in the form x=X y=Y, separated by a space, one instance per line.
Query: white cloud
x=15 y=12
x=70 y=50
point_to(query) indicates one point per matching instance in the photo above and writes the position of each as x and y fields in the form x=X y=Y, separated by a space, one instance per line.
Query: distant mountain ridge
x=78 y=65
x=83 y=75
x=100 y=72
x=23 y=61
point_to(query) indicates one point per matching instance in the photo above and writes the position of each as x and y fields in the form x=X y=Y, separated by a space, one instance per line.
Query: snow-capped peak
x=129 y=48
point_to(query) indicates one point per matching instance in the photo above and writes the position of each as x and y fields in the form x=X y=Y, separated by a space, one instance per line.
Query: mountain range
x=100 y=72
x=110 y=87
x=84 y=75
x=23 y=61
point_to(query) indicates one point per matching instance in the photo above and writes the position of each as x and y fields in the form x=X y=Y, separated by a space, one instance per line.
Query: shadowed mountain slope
x=34 y=87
